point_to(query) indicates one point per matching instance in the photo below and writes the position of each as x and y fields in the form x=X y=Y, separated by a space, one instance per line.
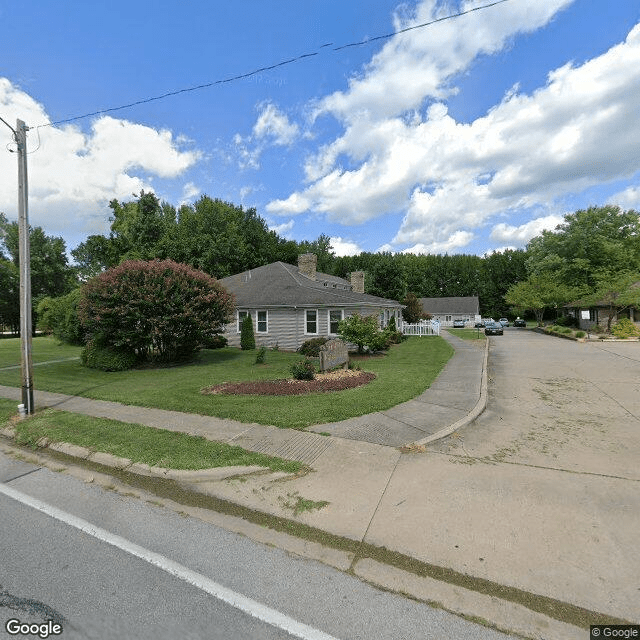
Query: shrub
x=363 y=331
x=311 y=348
x=59 y=317
x=155 y=310
x=215 y=342
x=566 y=330
x=303 y=370
x=624 y=328
x=567 y=321
x=97 y=356
x=261 y=355
x=247 y=337
x=580 y=334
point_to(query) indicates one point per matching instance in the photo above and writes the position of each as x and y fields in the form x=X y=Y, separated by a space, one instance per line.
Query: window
x=241 y=316
x=335 y=316
x=311 y=321
x=262 y=322
x=593 y=315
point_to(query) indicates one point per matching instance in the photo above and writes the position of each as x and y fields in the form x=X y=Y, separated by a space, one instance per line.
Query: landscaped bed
x=323 y=382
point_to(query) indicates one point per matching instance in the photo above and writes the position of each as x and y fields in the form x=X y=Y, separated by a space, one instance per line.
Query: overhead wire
x=276 y=65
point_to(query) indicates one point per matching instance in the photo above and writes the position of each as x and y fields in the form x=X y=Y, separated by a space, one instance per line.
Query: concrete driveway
x=542 y=491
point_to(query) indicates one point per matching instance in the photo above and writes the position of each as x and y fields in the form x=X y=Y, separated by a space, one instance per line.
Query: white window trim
x=257 y=324
x=315 y=333
x=329 y=319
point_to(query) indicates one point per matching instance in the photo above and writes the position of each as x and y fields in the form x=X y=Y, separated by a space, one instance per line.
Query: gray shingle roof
x=460 y=305
x=279 y=284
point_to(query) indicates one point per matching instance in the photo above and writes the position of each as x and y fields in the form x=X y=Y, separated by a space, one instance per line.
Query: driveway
x=542 y=491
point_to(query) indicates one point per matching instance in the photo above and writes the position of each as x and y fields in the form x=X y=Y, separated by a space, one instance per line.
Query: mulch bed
x=292 y=387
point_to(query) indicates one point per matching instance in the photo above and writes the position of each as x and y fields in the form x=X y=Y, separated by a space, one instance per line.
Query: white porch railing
x=421 y=329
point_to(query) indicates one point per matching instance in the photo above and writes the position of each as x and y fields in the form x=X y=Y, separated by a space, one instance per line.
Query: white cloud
x=282 y=229
x=189 y=192
x=271 y=128
x=520 y=235
x=344 y=247
x=627 y=199
x=451 y=178
x=73 y=175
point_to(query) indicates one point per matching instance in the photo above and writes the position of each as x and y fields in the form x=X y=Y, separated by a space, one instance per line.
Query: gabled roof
x=282 y=285
x=462 y=305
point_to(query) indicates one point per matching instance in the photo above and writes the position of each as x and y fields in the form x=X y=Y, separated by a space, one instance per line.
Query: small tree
x=158 y=310
x=247 y=337
x=363 y=331
x=59 y=316
x=412 y=311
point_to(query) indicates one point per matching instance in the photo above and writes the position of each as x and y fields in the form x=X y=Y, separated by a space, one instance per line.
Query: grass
x=407 y=370
x=139 y=443
x=468 y=334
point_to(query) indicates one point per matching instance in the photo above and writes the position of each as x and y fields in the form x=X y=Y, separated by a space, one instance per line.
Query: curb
x=481 y=405
x=140 y=468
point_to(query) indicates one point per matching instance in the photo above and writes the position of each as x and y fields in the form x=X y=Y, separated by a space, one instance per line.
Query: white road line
x=237 y=600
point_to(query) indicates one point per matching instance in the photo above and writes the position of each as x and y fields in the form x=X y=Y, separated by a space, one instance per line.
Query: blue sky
x=466 y=136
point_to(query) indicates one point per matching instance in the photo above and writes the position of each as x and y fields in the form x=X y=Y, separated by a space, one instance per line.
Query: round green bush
x=580 y=334
x=311 y=348
x=96 y=356
x=303 y=370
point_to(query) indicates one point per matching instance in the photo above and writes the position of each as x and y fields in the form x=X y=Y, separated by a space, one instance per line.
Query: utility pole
x=25 y=269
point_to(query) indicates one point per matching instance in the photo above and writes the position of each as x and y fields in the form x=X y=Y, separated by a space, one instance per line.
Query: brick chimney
x=307 y=263
x=357 y=281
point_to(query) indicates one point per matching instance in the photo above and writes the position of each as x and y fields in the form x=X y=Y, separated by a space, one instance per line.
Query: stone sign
x=333 y=353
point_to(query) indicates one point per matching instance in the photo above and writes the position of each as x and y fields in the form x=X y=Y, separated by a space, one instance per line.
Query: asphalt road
x=162 y=574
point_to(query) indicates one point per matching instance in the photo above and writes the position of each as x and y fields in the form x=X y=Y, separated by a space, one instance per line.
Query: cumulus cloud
x=271 y=128
x=627 y=199
x=73 y=175
x=450 y=178
x=344 y=247
x=521 y=234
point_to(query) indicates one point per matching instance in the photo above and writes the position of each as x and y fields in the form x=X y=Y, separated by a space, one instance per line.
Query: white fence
x=421 y=329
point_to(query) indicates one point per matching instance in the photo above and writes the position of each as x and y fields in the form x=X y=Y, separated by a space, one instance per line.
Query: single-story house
x=289 y=304
x=446 y=310
x=597 y=314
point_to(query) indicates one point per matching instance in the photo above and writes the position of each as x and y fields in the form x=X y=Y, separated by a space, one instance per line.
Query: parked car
x=504 y=322
x=493 y=329
x=519 y=322
x=479 y=324
x=458 y=324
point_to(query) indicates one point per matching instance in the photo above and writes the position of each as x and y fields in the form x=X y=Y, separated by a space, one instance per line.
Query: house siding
x=286 y=326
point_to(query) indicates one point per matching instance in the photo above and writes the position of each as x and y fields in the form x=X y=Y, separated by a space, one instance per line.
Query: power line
x=283 y=63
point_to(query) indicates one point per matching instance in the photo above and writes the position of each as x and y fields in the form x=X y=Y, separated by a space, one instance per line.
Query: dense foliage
x=247 y=337
x=51 y=274
x=363 y=331
x=591 y=259
x=59 y=317
x=156 y=310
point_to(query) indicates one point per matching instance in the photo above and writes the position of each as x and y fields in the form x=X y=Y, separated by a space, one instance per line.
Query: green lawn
x=468 y=334
x=407 y=370
x=139 y=443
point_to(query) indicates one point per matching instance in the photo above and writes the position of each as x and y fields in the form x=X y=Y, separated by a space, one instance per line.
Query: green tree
x=155 y=309
x=59 y=316
x=247 y=337
x=537 y=293
x=412 y=311
x=51 y=274
x=615 y=292
x=590 y=245
x=363 y=331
